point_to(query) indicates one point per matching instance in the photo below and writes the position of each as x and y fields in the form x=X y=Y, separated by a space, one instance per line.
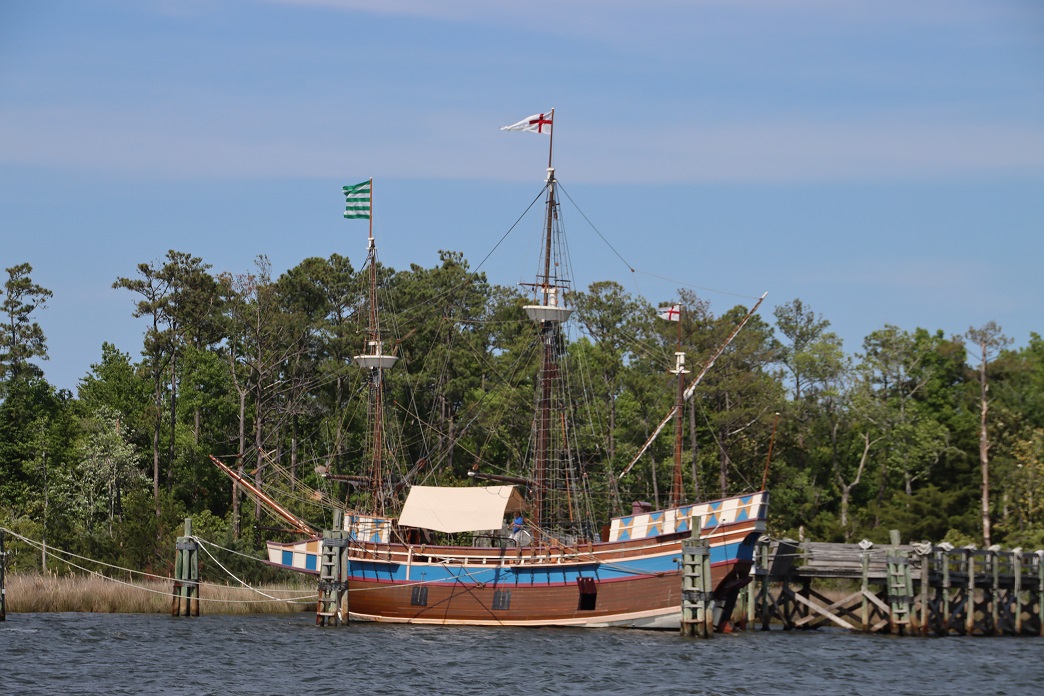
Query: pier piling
x=697 y=618
x=332 y=607
x=3 y=585
x=900 y=587
x=186 y=574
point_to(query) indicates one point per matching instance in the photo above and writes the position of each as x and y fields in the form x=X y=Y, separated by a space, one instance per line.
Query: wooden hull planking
x=633 y=582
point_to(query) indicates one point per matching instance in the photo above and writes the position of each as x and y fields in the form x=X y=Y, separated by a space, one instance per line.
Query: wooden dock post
x=3 y=586
x=697 y=614
x=864 y=605
x=332 y=607
x=1040 y=592
x=186 y=575
x=969 y=602
x=1016 y=564
x=924 y=555
x=900 y=587
x=934 y=591
x=946 y=609
x=765 y=569
x=757 y=590
x=995 y=598
x=752 y=595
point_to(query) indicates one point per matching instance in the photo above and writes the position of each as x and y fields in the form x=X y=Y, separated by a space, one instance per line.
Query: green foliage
x=107 y=471
x=21 y=338
x=929 y=514
x=259 y=371
x=146 y=539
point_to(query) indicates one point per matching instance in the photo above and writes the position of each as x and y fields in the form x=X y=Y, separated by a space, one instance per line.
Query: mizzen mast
x=677 y=487
x=689 y=390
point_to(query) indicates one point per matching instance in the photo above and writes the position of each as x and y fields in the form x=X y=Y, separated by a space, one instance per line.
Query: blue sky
x=882 y=160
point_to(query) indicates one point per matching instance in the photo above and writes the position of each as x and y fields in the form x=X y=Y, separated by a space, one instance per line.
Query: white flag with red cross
x=537 y=123
x=672 y=313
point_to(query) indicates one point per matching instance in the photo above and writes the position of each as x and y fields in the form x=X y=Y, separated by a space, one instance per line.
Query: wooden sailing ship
x=563 y=570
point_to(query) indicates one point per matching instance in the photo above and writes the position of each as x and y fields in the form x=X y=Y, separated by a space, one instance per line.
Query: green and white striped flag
x=357 y=200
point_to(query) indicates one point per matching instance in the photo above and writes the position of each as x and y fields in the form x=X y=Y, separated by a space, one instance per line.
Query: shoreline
x=38 y=593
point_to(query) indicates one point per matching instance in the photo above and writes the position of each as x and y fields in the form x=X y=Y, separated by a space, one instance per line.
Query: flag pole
x=371 y=208
x=551 y=144
x=681 y=313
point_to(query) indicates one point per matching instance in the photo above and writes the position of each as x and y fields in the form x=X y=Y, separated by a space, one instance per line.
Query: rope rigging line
x=511 y=229
x=203 y=546
x=683 y=284
x=473 y=273
x=470 y=417
x=596 y=230
x=470 y=574
x=55 y=553
x=722 y=451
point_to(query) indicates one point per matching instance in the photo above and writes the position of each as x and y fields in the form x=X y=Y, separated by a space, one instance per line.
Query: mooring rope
x=202 y=545
x=39 y=545
x=228 y=550
x=57 y=553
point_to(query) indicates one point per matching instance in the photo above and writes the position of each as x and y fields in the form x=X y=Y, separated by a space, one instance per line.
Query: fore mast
x=373 y=360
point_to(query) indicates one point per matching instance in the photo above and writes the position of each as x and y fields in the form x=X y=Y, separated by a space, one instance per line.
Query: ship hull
x=632 y=580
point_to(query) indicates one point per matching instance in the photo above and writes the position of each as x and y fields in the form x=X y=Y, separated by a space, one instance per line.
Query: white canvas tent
x=450 y=510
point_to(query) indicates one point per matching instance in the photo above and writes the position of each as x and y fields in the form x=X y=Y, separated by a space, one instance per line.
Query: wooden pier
x=912 y=589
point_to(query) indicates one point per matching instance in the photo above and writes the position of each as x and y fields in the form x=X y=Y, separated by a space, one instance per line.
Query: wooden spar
x=768 y=459
x=501 y=479
x=692 y=387
x=355 y=480
x=297 y=523
x=514 y=480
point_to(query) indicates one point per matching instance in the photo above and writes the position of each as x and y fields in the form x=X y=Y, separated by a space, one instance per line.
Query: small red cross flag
x=537 y=123
x=672 y=313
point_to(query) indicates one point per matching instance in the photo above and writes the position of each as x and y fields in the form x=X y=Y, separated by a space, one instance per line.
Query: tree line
x=941 y=437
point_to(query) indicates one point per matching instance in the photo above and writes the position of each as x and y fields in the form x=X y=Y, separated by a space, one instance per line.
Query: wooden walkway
x=913 y=589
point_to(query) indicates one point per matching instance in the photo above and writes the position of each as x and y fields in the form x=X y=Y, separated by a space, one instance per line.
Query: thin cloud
x=767 y=151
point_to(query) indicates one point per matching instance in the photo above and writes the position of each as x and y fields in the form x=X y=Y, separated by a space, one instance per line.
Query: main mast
x=549 y=314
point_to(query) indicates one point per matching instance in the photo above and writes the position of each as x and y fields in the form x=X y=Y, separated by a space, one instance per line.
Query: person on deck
x=516 y=529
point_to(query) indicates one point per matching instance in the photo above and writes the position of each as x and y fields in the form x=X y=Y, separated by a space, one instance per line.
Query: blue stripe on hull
x=537 y=574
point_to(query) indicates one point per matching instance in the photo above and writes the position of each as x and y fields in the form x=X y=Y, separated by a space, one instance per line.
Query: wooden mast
x=376 y=362
x=549 y=315
x=677 y=488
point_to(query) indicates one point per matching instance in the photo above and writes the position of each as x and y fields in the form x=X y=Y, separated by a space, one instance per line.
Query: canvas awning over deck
x=450 y=510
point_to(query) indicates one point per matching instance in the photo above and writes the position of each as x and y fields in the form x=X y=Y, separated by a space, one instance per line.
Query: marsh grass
x=79 y=593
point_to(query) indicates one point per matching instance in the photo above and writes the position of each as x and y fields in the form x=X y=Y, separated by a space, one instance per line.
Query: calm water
x=287 y=654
